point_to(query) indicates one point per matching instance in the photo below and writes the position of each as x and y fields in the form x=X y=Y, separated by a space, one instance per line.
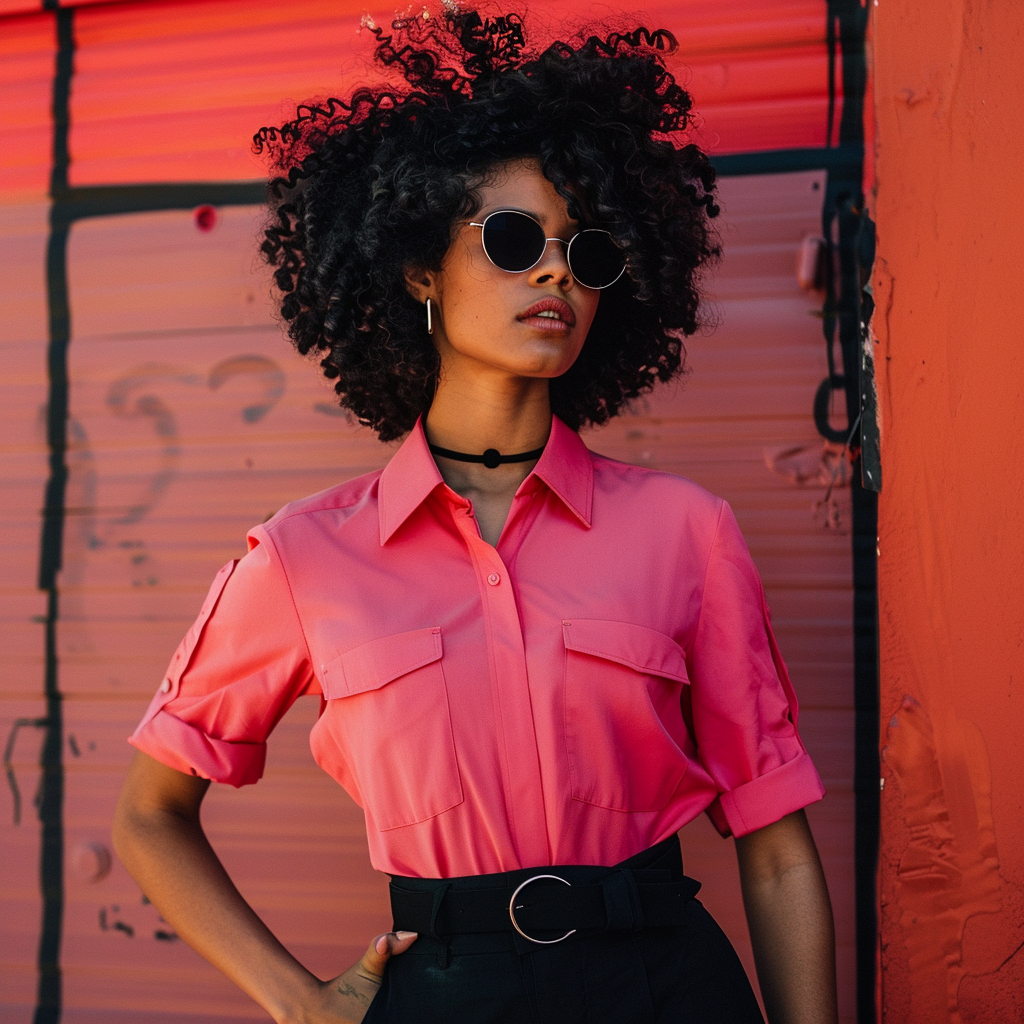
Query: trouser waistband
x=547 y=904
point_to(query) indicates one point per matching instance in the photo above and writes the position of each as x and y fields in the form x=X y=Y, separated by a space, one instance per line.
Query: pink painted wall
x=173 y=339
x=949 y=91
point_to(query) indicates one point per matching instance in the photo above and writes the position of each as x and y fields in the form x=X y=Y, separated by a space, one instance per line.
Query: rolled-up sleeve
x=238 y=669
x=744 y=709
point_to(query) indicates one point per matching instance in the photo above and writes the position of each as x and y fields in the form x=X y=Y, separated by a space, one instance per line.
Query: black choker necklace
x=491 y=458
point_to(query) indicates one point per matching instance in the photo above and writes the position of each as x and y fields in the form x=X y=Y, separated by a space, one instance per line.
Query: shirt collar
x=412 y=474
x=568 y=471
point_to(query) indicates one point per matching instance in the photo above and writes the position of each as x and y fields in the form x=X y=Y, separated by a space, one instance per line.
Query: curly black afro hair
x=372 y=185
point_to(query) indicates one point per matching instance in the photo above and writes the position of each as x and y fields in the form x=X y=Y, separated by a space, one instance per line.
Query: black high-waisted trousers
x=686 y=972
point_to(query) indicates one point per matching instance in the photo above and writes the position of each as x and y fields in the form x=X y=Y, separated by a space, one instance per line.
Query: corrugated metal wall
x=189 y=419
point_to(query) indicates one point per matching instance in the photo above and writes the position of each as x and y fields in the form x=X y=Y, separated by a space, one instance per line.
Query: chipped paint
x=945 y=867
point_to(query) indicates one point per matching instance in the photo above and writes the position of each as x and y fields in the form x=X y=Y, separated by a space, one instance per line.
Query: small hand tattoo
x=345 y=989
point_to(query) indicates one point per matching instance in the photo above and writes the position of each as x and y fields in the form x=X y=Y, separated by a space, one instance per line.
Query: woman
x=536 y=664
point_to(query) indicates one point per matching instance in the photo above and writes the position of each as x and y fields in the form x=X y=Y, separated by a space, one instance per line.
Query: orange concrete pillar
x=949 y=352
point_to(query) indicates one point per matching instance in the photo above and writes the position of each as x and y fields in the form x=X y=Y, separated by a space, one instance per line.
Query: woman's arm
x=790 y=918
x=159 y=838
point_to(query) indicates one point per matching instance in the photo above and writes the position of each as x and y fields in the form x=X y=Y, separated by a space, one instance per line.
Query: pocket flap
x=638 y=647
x=373 y=664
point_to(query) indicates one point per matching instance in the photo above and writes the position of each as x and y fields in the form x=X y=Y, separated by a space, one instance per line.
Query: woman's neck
x=472 y=419
x=468 y=418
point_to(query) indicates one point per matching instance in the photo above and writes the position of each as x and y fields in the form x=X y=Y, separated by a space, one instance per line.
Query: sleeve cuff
x=767 y=798
x=187 y=749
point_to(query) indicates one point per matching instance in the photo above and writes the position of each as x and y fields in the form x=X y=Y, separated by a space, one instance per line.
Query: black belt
x=544 y=905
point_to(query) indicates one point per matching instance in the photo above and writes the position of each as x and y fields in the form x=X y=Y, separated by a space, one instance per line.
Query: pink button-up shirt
x=572 y=696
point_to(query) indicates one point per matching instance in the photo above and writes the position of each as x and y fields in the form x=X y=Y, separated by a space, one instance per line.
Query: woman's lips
x=562 y=320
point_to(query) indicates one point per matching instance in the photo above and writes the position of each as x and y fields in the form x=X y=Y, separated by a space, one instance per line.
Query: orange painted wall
x=949 y=92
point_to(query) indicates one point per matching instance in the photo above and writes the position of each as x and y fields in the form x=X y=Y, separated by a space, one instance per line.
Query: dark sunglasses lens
x=595 y=260
x=513 y=241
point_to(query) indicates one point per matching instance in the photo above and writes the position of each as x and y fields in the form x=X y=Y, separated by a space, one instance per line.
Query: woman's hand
x=345 y=999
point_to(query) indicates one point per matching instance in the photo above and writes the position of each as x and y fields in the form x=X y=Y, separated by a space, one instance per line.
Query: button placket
x=518 y=751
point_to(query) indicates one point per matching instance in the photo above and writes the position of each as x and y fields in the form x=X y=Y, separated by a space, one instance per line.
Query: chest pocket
x=387 y=717
x=624 y=689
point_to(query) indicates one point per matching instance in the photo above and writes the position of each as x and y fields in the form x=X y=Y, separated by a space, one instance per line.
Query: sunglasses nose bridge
x=562 y=257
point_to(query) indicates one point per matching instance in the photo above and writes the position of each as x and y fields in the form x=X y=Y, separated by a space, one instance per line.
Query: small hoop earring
x=430 y=322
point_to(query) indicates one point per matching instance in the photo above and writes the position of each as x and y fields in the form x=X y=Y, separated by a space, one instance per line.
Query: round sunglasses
x=515 y=242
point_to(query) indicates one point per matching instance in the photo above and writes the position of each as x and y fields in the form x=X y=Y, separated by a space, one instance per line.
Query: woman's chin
x=549 y=360
x=544 y=371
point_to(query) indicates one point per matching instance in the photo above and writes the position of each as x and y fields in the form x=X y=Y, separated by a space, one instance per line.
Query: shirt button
x=494 y=579
x=165 y=686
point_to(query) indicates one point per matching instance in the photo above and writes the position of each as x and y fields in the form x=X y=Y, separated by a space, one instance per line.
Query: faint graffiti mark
x=12 y=737
x=133 y=396
x=115 y=925
x=91 y=861
x=329 y=410
x=811 y=464
x=829 y=465
x=82 y=471
x=140 y=395
x=138 y=561
x=266 y=373
x=165 y=934
x=111 y=920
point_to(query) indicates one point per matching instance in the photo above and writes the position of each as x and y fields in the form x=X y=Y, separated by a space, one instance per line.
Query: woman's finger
x=383 y=948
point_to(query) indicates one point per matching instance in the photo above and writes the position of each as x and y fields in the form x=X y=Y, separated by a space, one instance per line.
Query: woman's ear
x=420 y=284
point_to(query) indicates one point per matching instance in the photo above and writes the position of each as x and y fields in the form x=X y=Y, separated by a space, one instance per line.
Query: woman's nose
x=553 y=265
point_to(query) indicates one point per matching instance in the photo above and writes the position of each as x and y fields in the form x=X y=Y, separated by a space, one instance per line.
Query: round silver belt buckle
x=512 y=908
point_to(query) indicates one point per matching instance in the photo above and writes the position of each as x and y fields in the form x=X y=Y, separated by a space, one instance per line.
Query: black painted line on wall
x=843 y=212
x=113 y=200
x=786 y=161
x=49 y=990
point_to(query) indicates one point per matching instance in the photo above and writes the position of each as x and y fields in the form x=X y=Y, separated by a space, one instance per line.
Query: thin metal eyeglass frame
x=568 y=248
